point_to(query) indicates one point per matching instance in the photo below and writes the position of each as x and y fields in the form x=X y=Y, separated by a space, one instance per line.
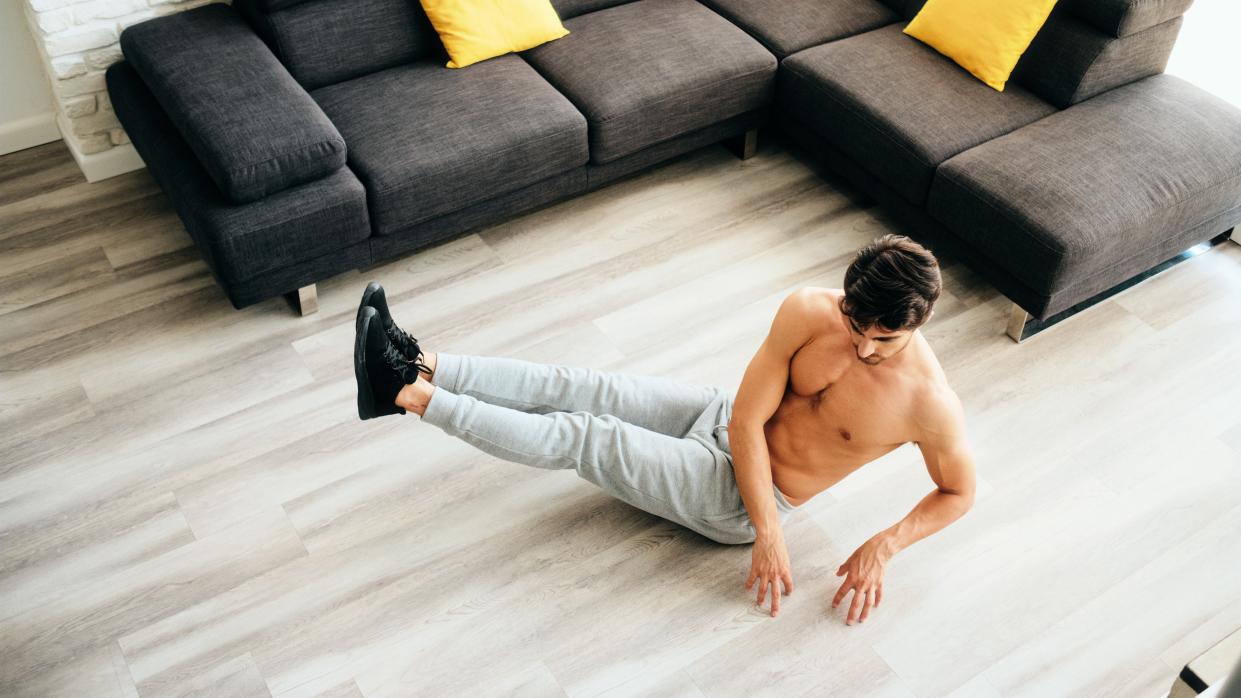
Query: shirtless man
x=842 y=378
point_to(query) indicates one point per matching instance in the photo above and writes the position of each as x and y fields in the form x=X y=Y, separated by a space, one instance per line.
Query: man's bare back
x=838 y=412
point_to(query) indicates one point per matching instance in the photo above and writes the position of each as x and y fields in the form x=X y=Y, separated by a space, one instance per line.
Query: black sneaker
x=373 y=297
x=380 y=369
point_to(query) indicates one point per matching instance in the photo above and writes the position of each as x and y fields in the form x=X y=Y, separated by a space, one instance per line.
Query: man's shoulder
x=815 y=306
x=937 y=407
x=820 y=295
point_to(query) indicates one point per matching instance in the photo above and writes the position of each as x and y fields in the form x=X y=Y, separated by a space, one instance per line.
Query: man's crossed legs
x=658 y=444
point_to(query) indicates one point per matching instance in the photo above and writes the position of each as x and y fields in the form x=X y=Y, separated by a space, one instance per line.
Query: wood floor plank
x=65 y=211
x=42 y=282
x=41 y=168
x=189 y=504
x=89 y=612
x=37 y=566
x=1122 y=628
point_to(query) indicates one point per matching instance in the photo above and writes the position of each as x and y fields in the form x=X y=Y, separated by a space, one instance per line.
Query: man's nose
x=865 y=349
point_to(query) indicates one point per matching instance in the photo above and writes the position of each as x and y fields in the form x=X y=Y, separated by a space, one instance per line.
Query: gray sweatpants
x=655 y=443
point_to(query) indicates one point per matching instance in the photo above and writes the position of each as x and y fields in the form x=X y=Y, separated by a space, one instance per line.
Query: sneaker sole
x=366 y=399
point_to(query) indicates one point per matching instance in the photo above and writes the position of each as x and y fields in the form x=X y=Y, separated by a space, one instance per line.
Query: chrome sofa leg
x=306 y=299
x=1017 y=318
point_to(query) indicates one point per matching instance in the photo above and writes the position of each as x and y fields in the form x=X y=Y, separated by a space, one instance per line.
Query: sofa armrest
x=255 y=130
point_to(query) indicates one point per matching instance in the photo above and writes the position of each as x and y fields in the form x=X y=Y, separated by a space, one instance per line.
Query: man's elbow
x=743 y=425
x=964 y=497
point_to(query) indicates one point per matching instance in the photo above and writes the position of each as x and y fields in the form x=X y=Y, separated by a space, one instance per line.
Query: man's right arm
x=758 y=397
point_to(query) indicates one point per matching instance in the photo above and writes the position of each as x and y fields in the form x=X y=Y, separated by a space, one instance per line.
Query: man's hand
x=769 y=564
x=865 y=568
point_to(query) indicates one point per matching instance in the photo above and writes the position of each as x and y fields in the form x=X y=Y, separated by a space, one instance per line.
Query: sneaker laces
x=398 y=363
x=408 y=347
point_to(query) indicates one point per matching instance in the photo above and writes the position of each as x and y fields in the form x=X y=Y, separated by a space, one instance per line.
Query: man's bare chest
x=848 y=404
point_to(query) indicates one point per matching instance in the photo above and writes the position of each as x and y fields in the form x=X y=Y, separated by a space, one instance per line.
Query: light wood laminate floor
x=190 y=506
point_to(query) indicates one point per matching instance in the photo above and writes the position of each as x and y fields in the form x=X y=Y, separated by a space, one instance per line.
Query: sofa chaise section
x=1080 y=201
x=1088 y=170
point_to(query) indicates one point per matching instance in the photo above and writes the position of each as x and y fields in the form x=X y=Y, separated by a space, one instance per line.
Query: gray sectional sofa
x=298 y=139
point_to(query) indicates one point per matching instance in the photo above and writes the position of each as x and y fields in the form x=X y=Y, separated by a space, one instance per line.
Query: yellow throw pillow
x=986 y=37
x=475 y=30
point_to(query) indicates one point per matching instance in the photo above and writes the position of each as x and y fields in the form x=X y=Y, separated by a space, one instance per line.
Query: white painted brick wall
x=77 y=40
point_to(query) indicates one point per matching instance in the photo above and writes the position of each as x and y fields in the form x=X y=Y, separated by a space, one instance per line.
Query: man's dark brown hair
x=893 y=281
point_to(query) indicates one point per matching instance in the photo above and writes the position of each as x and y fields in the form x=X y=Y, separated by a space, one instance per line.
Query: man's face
x=874 y=345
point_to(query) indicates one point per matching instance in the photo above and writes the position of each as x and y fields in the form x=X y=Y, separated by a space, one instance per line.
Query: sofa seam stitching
x=1147 y=248
x=870 y=124
x=696 y=90
x=463 y=165
x=1107 y=44
x=1011 y=214
x=241 y=169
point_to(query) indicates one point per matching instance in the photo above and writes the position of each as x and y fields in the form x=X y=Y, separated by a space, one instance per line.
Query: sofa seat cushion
x=428 y=140
x=651 y=70
x=1071 y=197
x=898 y=107
x=788 y=26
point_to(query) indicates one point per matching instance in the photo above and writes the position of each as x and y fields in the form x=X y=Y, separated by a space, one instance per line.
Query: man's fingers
x=750 y=582
x=762 y=590
x=775 y=598
x=870 y=601
x=840 y=593
x=878 y=595
x=788 y=583
x=855 y=607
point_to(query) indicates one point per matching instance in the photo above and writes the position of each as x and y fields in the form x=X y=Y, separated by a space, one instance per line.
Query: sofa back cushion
x=1090 y=46
x=323 y=42
x=1071 y=60
x=905 y=8
x=1125 y=17
x=1112 y=17
x=573 y=8
x=273 y=5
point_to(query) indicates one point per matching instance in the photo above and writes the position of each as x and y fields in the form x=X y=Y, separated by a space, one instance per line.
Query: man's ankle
x=415 y=396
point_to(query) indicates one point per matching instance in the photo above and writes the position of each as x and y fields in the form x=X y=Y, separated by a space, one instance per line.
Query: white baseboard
x=28 y=132
x=110 y=163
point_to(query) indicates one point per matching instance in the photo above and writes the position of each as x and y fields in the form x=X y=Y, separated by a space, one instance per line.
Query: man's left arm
x=951 y=465
x=950 y=462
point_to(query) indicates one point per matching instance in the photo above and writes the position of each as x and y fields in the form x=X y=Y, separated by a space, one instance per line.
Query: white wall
x=1208 y=50
x=27 y=113
x=77 y=40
